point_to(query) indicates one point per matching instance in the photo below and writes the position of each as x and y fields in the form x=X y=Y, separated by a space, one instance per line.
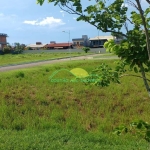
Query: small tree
x=86 y=49
x=18 y=48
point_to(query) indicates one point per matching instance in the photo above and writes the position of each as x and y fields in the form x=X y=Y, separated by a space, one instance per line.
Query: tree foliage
x=18 y=48
x=134 y=49
x=137 y=128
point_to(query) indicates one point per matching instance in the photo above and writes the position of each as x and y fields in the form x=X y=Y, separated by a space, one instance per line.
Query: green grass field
x=58 y=139
x=38 y=114
x=9 y=59
x=106 y=55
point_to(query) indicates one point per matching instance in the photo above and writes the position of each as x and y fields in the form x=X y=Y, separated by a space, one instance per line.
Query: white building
x=99 y=41
x=36 y=46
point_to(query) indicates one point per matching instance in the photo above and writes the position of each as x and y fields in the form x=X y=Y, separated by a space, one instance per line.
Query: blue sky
x=26 y=22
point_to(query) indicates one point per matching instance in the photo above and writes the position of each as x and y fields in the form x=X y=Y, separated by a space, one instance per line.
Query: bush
x=17 y=51
x=18 y=48
x=28 y=48
x=7 y=49
x=86 y=49
x=1 y=52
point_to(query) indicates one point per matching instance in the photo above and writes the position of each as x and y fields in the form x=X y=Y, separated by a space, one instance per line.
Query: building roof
x=36 y=46
x=58 y=44
x=102 y=38
x=3 y=34
x=78 y=39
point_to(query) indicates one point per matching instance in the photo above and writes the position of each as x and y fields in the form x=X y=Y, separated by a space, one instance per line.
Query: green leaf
x=135 y=70
x=40 y=2
x=147 y=11
x=139 y=126
x=148 y=133
x=146 y=69
x=132 y=65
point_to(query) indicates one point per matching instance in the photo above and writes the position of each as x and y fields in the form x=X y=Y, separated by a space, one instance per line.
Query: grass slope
x=29 y=101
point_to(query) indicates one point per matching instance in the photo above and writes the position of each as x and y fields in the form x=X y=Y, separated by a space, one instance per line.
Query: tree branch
x=129 y=20
x=134 y=76
x=132 y=4
x=148 y=1
x=145 y=27
x=72 y=11
x=126 y=26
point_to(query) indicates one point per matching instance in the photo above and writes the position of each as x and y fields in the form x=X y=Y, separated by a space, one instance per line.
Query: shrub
x=28 y=48
x=1 y=52
x=7 y=49
x=86 y=49
x=18 y=48
x=137 y=128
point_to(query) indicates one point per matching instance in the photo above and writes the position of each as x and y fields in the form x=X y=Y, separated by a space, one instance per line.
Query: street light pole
x=68 y=42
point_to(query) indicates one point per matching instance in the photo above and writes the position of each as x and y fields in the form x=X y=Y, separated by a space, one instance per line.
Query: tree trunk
x=144 y=79
x=145 y=28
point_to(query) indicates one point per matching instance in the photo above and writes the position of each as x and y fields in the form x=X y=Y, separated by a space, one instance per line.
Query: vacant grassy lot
x=9 y=59
x=106 y=56
x=38 y=114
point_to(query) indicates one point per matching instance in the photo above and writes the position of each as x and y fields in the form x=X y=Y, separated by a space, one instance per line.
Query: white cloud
x=50 y=21
x=74 y=18
x=62 y=12
x=34 y=22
